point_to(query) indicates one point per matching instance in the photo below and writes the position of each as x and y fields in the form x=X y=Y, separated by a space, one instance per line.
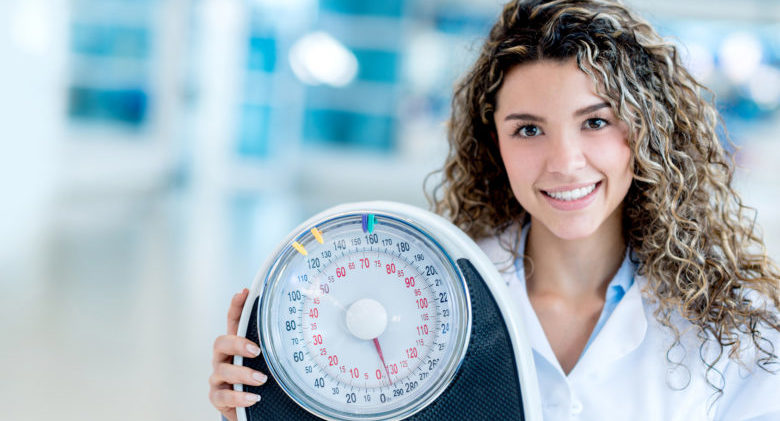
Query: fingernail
x=260 y=377
x=253 y=349
x=251 y=397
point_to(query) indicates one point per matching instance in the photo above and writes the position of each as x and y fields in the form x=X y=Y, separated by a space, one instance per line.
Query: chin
x=571 y=230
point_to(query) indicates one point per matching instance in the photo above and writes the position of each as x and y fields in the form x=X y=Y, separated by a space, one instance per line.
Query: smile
x=572 y=199
x=569 y=195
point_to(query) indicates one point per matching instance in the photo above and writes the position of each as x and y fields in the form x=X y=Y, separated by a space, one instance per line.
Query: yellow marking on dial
x=300 y=248
x=317 y=234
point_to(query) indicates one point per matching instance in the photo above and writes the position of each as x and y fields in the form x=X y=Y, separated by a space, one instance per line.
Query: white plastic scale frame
x=457 y=245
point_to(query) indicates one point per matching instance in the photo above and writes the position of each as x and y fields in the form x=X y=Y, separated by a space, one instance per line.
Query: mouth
x=572 y=195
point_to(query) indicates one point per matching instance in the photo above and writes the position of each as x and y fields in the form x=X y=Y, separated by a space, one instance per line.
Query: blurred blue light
x=254 y=129
x=110 y=40
x=391 y=8
x=346 y=128
x=262 y=54
x=462 y=23
x=125 y=106
x=377 y=66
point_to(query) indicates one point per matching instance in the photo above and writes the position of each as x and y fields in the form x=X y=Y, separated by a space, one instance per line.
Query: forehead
x=545 y=85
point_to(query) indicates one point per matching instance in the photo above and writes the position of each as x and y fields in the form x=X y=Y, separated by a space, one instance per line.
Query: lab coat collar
x=622 y=333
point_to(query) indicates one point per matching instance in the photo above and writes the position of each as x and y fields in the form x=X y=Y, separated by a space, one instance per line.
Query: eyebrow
x=580 y=112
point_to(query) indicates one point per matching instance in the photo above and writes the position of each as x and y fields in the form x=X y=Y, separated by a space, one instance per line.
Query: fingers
x=226 y=346
x=234 y=313
x=235 y=374
x=225 y=374
x=226 y=399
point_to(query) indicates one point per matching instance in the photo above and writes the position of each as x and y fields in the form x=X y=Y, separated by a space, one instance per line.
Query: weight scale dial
x=364 y=316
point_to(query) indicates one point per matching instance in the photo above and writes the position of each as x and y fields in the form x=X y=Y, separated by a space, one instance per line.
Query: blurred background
x=154 y=151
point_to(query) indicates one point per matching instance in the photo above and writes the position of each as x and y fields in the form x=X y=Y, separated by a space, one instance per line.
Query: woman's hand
x=221 y=393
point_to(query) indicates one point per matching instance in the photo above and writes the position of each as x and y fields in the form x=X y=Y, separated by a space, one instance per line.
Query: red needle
x=381 y=357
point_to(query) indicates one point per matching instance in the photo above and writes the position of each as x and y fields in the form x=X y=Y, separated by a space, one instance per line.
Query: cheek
x=519 y=164
x=623 y=149
x=518 y=181
x=615 y=159
x=624 y=158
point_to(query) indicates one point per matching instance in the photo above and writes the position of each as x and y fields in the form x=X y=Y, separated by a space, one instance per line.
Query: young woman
x=587 y=163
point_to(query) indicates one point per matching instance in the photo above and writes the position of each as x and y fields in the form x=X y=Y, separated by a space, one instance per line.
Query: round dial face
x=364 y=317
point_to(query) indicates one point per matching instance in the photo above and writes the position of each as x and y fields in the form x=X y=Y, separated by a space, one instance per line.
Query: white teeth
x=572 y=194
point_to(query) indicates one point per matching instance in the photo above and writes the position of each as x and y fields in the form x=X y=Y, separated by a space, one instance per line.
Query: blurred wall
x=33 y=55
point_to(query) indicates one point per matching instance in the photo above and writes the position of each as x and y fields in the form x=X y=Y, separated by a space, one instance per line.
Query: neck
x=574 y=269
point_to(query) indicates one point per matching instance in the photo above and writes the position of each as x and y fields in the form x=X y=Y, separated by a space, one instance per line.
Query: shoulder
x=498 y=248
x=749 y=390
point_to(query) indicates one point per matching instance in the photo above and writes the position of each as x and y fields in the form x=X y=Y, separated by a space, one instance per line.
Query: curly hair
x=694 y=239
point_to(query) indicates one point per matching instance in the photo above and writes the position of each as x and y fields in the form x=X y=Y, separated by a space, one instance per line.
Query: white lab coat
x=624 y=374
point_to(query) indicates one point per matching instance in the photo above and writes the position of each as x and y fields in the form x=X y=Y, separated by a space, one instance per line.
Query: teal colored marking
x=371 y=222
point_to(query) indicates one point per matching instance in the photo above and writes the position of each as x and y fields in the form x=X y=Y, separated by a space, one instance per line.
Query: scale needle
x=381 y=357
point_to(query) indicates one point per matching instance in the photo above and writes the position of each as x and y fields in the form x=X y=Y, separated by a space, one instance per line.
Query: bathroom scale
x=385 y=311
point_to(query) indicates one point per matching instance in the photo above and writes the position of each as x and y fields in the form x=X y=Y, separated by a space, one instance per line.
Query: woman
x=587 y=163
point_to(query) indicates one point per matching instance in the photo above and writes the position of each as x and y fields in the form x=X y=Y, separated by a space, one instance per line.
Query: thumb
x=234 y=312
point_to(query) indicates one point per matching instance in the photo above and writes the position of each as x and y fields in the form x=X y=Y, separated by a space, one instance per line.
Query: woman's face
x=564 y=150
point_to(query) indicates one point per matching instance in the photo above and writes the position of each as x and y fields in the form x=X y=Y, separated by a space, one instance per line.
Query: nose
x=565 y=154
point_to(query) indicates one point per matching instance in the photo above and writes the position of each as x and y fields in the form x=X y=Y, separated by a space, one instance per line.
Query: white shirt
x=624 y=373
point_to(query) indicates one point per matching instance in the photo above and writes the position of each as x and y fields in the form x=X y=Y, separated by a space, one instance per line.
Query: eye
x=596 y=123
x=528 y=130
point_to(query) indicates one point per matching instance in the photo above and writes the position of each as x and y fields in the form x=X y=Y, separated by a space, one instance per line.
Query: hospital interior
x=156 y=151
